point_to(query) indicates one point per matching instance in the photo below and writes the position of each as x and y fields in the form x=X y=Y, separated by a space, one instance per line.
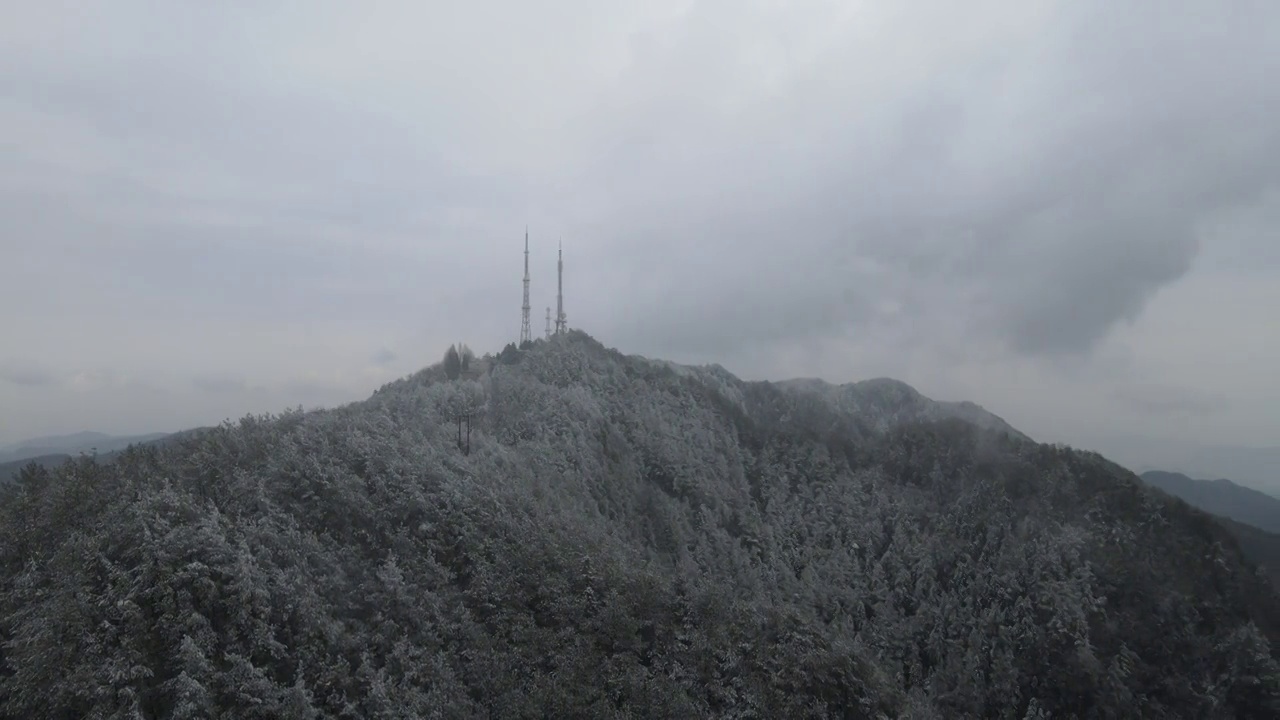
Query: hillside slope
x=885 y=403
x=1252 y=517
x=9 y=470
x=1259 y=546
x=624 y=539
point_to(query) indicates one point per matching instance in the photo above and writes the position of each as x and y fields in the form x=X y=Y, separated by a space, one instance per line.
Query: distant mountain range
x=1253 y=466
x=1256 y=466
x=54 y=450
x=1251 y=516
x=74 y=444
x=1221 y=497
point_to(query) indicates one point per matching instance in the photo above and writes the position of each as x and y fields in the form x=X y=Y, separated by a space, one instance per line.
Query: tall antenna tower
x=561 y=326
x=548 y=323
x=526 y=335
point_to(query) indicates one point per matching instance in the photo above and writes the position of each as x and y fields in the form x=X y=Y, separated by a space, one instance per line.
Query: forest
x=565 y=531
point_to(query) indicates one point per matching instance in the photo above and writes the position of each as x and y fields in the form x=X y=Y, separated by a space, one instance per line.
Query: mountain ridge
x=76 y=438
x=878 y=395
x=883 y=401
x=1221 y=497
x=11 y=468
x=73 y=444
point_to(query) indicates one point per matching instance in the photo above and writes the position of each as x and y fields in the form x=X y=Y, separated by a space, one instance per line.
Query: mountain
x=579 y=533
x=1221 y=497
x=74 y=444
x=1262 y=548
x=9 y=470
x=1252 y=517
x=1255 y=467
x=885 y=403
x=80 y=439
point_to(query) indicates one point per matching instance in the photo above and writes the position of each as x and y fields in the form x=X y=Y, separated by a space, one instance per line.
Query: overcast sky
x=1064 y=211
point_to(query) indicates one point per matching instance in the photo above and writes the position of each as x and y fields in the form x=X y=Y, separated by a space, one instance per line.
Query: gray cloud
x=245 y=203
x=27 y=375
x=1164 y=400
x=1065 y=205
x=220 y=384
x=1072 y=306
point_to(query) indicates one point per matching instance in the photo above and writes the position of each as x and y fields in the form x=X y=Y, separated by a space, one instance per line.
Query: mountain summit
x=621 y=537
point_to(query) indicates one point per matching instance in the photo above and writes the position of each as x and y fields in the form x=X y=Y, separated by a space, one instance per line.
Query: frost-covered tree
x=510 y=354
x=452 y=363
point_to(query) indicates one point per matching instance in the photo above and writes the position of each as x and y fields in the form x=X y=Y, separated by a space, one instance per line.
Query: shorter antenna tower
x=526 y=334
x=548 y=322
x=561 y=325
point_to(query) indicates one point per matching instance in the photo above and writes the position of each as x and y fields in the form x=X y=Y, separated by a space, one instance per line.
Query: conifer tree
x=452 y=363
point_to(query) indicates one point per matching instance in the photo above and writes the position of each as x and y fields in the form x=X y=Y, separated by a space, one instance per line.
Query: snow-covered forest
x=568 y=532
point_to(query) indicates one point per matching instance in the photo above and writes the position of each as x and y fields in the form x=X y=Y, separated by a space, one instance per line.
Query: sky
x=1063 y=211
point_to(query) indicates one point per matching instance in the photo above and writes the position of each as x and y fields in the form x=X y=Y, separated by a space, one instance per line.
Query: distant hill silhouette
x=86 y=438
x=9 y=470
x=1252 y=517
x=1221 y=497
x=74 y=444
x=1257 y=467
x=111 y=447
